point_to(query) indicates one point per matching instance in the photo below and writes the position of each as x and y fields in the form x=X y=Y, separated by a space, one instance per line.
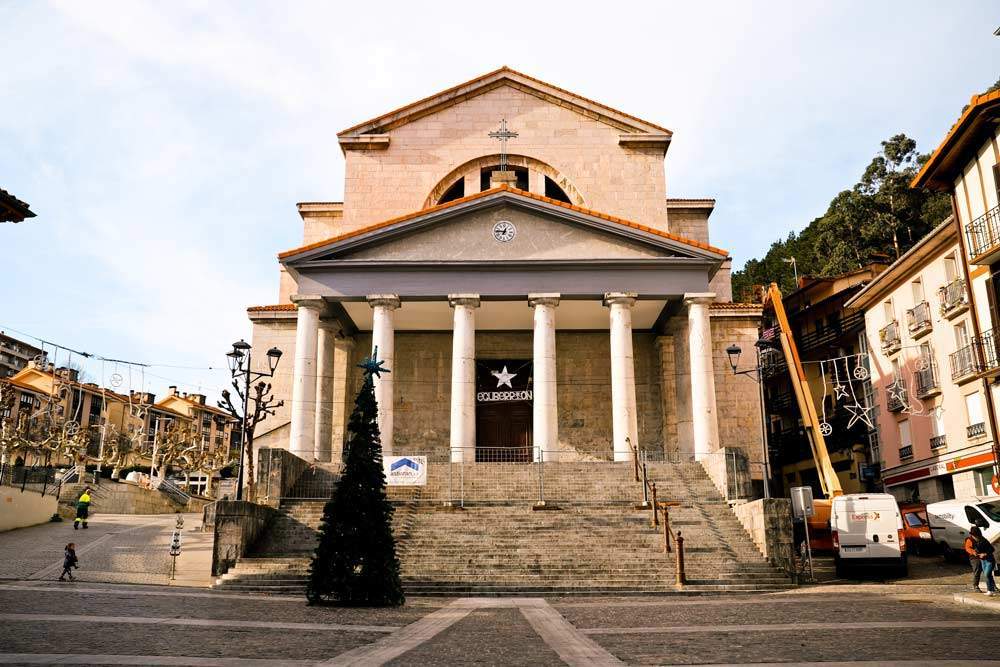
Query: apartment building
x=931 y=406
x=15 y=355
x=967 y=166
x=214 y=425
x=823 y=329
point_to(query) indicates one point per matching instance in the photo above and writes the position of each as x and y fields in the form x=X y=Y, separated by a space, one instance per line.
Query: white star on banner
x=503 y=377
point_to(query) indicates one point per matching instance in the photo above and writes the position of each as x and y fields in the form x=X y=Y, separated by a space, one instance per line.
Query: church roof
x=288 y=254
x=494 y=79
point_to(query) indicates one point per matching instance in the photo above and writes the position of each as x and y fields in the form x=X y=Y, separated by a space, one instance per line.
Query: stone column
x=704 y=414
x=545 y=416
x=383 y=339
x=325 y=378
x=463 y=376
x=302 y=441
x=624 y=420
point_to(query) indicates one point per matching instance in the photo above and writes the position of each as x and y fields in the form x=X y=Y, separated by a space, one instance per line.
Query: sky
x=163 y=146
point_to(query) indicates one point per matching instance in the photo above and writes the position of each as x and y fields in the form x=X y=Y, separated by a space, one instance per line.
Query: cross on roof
x=503 y=134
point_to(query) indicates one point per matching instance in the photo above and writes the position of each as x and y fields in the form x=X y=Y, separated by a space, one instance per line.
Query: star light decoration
x=503 y=377
x=372 y=366
x=859 y=413
x=897 y=392
x=839 y=392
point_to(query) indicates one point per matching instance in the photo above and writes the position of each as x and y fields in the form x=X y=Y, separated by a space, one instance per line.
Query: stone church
x=510 y=249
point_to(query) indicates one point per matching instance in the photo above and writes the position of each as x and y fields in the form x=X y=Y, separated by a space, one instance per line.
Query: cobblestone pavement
x=115 y=548
x=84 y=623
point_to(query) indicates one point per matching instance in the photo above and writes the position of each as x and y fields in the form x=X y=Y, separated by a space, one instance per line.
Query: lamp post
x=733 y=352
x=259 y=394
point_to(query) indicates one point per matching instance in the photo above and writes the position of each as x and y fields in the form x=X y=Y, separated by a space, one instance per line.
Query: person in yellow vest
x=82 y=509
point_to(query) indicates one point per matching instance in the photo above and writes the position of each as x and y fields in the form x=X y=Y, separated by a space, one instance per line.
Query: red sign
x=996 y=485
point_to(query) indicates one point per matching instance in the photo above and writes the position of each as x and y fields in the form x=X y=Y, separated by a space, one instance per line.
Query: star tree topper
x=372 y=366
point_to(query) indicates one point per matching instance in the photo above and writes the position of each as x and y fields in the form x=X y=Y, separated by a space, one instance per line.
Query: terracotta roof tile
x=501 y=70
x=503 y=188
x=734 y=306
x=272 y=308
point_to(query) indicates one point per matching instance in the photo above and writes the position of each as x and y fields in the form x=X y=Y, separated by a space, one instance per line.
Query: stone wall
x=423 y=388
x=238 y=525
x=19 y=509
x=119 y=497
x=729 y=470
x=769 y=522
x=277 y=471
x=737 y=397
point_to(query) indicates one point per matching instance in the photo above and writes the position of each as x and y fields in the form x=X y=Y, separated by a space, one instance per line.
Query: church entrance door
x=503 y=411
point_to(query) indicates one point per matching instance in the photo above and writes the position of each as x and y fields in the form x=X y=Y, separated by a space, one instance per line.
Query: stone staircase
x=592 y=541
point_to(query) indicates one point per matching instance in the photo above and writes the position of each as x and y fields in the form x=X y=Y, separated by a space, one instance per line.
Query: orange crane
x=828 y=479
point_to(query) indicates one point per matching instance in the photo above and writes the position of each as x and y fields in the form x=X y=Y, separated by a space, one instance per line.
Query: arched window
x=455 y=191
x=486 y=173
x=553 y=191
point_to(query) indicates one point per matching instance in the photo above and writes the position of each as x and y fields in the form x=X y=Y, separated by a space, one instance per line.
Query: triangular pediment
x=504 y=76
x=504 y=225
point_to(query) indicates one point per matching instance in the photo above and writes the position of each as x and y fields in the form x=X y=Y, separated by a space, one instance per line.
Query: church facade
x=510 y=250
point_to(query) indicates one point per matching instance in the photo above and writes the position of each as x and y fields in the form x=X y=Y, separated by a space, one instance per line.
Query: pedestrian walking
x=70 y=561
x=82 y=509
x=977 y=564
x=987 y=556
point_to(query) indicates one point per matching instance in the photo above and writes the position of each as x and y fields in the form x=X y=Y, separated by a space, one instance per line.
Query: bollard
x=681 y=577
x=666 y=529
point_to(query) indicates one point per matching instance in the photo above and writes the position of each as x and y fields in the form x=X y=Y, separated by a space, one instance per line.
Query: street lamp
x=240 y=358
x=733 y=352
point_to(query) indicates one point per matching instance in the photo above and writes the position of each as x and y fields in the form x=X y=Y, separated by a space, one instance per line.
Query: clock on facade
x=504 y=231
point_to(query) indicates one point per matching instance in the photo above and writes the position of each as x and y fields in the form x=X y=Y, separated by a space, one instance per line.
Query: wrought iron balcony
x=772 y=363
x=953 y=298
x=927 y=379
x=918 y=319
x=964 y=363
x=975 y=430
x=896 y=402
x=983 y=234
x=829 y=336
x=906 y=452
x=989 y=353
x=938 y=441
x=889 y=337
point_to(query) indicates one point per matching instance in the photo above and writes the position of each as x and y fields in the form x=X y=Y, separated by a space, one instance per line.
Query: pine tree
x=355 y=562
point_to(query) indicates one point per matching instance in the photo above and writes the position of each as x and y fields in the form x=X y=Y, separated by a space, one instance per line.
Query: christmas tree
x=355 y=562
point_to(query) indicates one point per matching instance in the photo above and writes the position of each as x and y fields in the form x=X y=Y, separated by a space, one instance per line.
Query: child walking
x=69 y=562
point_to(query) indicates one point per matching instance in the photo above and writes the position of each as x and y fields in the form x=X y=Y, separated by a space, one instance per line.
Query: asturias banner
x=405 y=470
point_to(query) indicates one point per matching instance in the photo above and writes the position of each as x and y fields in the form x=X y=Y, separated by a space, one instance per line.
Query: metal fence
x=30 y=478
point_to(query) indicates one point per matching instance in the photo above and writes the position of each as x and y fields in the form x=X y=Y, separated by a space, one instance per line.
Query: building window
x=917 y=287
x=974 y=411
x=984 y=481
x=905 y=441
x=456 y=191
x=888 y=311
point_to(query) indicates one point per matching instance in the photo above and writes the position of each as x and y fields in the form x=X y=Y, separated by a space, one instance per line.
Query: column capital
x=623 y=298
x=333 y=326
x=313 y=301
x=544 y=299
x=470 y=300
x=390 y=301
x=701 y=298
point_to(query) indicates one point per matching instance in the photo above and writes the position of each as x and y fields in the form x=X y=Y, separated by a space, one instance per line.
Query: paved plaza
x=122 y=611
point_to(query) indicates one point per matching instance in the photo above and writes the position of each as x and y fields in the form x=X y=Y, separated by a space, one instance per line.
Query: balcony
x=989 y=353
x=779 y=402
x=772 y=363
x=830 y=336
x=889 y=337
x=983 y=234
x=896 y=402
x=964 y=363
x=927 y=379
x=918 y=319
x=938 y=442
x=974 y=431
x=953 y=299
x=906 y=452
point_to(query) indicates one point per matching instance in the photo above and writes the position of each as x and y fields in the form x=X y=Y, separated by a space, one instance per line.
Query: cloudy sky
x=164 y=145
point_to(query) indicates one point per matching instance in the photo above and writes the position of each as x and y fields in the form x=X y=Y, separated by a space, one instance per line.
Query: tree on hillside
x=880 y=216
x=355 y=561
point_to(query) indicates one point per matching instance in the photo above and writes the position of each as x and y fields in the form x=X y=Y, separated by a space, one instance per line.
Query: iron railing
x=964 y=362
x=906 y=452
x=897 y=401
x=772 y=363
x=652 y=502
x=989 y=354
x=918 y=318
x=938 y=441
x=831 y=334
x=171 y=490
x=889 y=337
x=30 y=478
x=927 y=379
x=984 y=232
x=975 y=430
x=952 y=297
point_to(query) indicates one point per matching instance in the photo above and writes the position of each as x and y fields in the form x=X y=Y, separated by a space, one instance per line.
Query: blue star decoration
x=372 y=366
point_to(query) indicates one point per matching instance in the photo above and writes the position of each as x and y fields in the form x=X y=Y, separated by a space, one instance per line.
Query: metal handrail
x=649 y=491
x=984 y=232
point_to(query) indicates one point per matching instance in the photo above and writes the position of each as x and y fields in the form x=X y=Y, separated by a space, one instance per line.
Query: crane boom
x=828 y=479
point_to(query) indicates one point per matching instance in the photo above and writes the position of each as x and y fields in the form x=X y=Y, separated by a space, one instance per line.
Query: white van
x=867 y=529
x=950 y=521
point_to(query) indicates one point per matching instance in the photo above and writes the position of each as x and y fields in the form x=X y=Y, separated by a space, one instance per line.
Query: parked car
x=867 y=530
x=917 y=529
x=950 y=521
